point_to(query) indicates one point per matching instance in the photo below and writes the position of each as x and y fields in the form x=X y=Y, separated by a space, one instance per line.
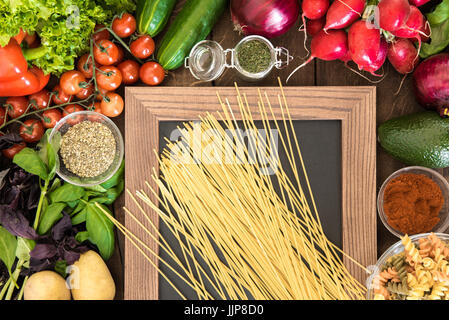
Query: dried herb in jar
x=88 y=149
x=254 y=56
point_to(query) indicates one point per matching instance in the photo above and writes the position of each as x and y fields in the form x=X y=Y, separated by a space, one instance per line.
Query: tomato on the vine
x=86 y=92
x=130 y=71
x=100 y=35
x=31 y=130
x=12 y=151
x=124 y=26
x=121 y=55
x=112 y=105
x=106 y=52
x=59 y=96
x=101 y=94
x=51 y=117
x=152 y=73
x=96 y=106
x=109 y=78
x=40 y=100
x=71 y=108
x=2 y=116
x=142 y=47
x=16 y=106
x=84 y=65
x=71 y=82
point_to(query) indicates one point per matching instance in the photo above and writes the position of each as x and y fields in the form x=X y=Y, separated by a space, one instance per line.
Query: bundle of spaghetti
x=242 y=237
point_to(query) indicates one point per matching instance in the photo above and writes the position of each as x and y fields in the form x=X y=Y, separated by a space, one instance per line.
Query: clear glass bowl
x=393 y=250
x=63 y=126
x=443 y=224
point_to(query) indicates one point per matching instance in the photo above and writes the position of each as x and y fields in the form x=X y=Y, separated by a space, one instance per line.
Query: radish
x=314 y=9
x=380 y=59
x=403 y=55
x=315 y=26
x=413 y=27
x=431 y=83
x=364 y=44
x=332 y=45
x=393 y=14
x=342 y=13
x=418 y=3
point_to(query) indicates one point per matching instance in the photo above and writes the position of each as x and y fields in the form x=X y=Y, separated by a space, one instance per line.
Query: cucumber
x=192 y=24
x=152 y=15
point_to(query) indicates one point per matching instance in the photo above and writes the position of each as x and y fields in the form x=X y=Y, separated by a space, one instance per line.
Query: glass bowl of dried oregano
x=89 y=146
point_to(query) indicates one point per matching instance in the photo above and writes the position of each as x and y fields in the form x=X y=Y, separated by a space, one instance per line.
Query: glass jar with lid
x=253 y=57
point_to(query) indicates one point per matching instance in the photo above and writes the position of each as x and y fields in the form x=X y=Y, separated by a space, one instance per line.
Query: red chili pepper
x=30 y=82
x=12 y=62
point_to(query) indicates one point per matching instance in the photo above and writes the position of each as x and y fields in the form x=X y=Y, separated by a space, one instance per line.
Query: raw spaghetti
x=255 y=241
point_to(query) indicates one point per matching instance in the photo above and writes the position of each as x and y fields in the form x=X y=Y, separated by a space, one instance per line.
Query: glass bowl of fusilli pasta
x=415 y=268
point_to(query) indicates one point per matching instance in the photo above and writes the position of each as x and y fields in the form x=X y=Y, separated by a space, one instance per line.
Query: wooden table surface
x=317 y=73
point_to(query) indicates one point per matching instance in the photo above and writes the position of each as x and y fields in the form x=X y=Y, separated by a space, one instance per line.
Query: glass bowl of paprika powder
x=414 y=200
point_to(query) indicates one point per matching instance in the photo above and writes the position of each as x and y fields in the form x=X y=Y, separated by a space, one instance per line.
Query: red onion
x=267 y=18
x=431 y=81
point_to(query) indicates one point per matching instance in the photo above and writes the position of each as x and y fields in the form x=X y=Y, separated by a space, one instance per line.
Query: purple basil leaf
x=37 y=265
x=61 y=228
x=8 y=140
x=71 y=256
x=15 y=222
x=43 y=251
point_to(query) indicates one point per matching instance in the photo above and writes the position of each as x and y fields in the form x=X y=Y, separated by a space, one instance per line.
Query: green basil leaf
x=56 y=184
x=24 y=247
x=8 y=245
x=80 y=217
x=80 y=206
x=438 y=41
x=103 y=200
x=50 y=216
x=439 y=14
x=29 y=160
x=53 y=161
x=116 y=178
x=101 y=229
x=113 y=193
x=42 y=147
x=67 y=193
x=97 y=189
x=82 y=236
x=61 y=268
x=73 y=204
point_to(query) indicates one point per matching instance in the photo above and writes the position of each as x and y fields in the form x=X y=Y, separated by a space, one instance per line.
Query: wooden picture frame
x=355 y=107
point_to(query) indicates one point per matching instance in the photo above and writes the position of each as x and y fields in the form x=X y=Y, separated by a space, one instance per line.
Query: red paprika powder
x=412 y=203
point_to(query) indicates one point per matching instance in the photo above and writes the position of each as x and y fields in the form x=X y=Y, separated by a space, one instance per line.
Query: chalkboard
x=320 y=143
x=336 y=128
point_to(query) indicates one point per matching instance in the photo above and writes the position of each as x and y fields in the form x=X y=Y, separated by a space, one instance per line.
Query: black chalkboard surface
x=320 y=143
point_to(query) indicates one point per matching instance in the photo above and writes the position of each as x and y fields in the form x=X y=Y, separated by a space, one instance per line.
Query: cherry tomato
x=40 y=99
x=31 y=130
x=112 y=105
x=51 y=117
x=101 y=93
x=142 y=47
x=124 y=26
x=3 y=116
x=12 y=151
x=59 y=96
x=102 y=35
x=96 y=106
x=86 y=92
x=84 y=65
x=71 y=108
x=70 y=82
x=109 y=78
x=106 y=52
x=130 y=71
x=152 y=73
x=121 y=55
x=16 y=106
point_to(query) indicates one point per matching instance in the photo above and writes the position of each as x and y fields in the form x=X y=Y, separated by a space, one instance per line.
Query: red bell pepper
x=12 y=62
x=30 y=82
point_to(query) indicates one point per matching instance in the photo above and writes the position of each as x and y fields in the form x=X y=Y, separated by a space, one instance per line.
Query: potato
x=46 y=285
x=91 y=279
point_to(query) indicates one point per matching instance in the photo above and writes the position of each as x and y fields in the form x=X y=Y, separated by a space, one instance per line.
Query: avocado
x=420 y=139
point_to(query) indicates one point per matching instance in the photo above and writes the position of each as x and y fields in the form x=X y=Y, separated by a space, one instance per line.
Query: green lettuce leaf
x=64 y=26
x=439 y=24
